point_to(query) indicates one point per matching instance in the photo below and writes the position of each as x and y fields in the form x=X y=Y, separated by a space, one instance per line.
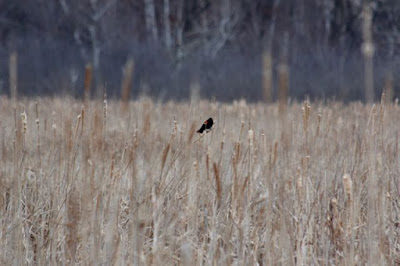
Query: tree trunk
x=179 y=32
x=167 y=25
x=368 y=52
x=150 y=16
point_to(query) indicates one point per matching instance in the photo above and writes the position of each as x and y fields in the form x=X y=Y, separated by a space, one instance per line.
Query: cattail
x=222 y=147
x=196 y=169
x=275 y=153
x=208 y=165
x=299 y=185
x=74 y=215
x=112 y=165
x=38 y=131
x=251 y=137
x=218 y=183
x=175 y=125
x=241 y=129
x=164 y=156
x=237 y=152
x=319 y=117
x=334 y=208
x=348 y=185
x=306 y=114
x=23 y=122
x=191 y=132
x=135 y=139
x=82 y=118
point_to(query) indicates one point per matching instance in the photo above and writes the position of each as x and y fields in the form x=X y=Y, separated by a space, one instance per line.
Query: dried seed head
x=23 y=122
x=164 y=156
x=251 y=137
x=334 y=207
x=348 y=185
x=299 y=185
x=306 y=114
x=175 y=124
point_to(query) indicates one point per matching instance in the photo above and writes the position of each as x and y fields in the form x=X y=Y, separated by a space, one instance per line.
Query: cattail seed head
x=299 y=185
x=251 y=137
x=306 y=114
x=348 y=185
x=24 y=122
x=319 y=117
x=334 y=207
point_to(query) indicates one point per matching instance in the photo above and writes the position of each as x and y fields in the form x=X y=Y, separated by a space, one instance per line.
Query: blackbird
x=207 y=125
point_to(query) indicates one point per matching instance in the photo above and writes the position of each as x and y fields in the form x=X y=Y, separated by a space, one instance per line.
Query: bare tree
x=150 y=16
x=167 y=25
x=368 y=52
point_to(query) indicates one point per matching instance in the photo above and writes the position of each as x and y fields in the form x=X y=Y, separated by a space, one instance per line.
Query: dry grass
x=315 y=185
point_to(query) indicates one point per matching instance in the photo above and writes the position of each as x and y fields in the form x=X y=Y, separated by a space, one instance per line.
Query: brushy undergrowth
x=106 y=183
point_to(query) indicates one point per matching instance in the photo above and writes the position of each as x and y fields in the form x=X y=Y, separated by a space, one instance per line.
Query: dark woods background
x=216 y=46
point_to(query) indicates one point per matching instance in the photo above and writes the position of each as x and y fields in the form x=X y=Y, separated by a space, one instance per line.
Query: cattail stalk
x=349 y=205
x=164 y=157
x=306 y=118
x=348 y=187
x=23 y=126
x=218 y=183
x=319 y=117
x=82 y=118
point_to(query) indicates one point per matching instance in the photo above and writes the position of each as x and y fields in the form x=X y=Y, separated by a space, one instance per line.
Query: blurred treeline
x=212 y=47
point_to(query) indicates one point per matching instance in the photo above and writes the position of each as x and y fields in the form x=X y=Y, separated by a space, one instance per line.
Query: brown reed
x=88 y=82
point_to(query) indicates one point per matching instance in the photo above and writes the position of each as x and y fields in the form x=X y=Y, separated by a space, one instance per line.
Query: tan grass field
x=305 y=184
